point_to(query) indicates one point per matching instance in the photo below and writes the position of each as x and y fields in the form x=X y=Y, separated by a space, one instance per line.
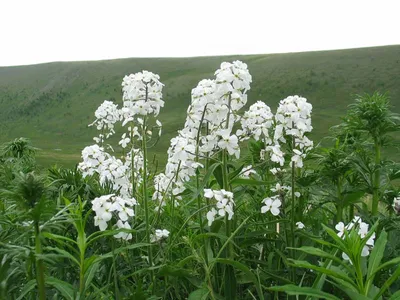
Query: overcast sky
x=37 y=31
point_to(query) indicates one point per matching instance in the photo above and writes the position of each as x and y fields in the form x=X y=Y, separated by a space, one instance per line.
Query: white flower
x=271 y=204
x=247 y=171
x=108 y=205
x=300 y=225
x=396 y=205
x=124 y=141
x=123 y=235
x=159 y=235
x=224 y=205
x=211 y=216
x=280 y=188
x=297 y=158
x=229 y=142
x=276 y=154
x=98 y=221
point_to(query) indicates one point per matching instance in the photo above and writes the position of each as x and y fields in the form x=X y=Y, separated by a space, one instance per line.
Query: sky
x=37 y=31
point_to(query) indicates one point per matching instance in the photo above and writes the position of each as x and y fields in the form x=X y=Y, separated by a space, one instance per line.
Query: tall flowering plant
x=128 y=174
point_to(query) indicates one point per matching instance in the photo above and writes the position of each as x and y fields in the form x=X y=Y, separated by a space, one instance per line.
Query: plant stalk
x=375 y=195
x=39 y=264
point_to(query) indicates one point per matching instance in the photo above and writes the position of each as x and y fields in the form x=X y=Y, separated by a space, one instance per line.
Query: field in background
x=53 y=103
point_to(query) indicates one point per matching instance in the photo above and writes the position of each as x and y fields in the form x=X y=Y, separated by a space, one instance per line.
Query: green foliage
x=356 y=280
x=51 y=249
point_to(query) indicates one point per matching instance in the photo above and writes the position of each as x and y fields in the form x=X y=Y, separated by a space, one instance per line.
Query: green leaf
x=200 y=294
x=119 y=250
x=218 y=175
x=27 y=288
x=391 y=262
x=246 y=270
x=66 y=289
x=208 y=175
x=331 y=273
x=388 y=283
x=339 y=242
x=65 y=254
x=319 y=252
x=245 y=181
x=222 y=237
x=236 y=172
x=89 y=274
x=395 y=296
x=57 y=238
x=376 y=256
x=350 y=291
x=291 y=289
x=353 y=197
x=174 y=271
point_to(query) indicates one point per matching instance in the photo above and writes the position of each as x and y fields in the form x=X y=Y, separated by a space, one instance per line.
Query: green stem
x=230 y=278
x=339 y=204
x=145 y=192
x=376 y=184
x=39 y=264
x=292 y=215
x=117 y=295
x=360 y=277
x=82 y=275
x=132 y=164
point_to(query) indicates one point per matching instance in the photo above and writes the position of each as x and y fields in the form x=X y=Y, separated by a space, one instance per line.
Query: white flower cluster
x=224 y=204
x=256 y=122
x=107 y=114
x=293 y=118
x=159 y=235
x=362 y=230
x=208 y=127
x=109 y=168
x=108 y=205
x=142 y=95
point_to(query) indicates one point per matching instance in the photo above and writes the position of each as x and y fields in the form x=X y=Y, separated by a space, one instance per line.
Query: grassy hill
x=53 y=103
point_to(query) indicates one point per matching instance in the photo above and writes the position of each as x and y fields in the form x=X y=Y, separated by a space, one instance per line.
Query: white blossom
x=396 y=205
x=300 y=225
x=247 y=171
x=159 y=235
x=107 y=206
x=224 y=205
x=271 y=204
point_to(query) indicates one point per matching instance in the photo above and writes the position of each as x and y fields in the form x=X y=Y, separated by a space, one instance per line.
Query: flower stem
x=377 y=175
x=117 y=295
x=145 y=193
x=39 y=264
x=339 y=204
x=292 y=215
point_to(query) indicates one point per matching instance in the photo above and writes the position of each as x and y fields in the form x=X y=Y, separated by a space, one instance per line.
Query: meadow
x=275 y=177
x=53 y=103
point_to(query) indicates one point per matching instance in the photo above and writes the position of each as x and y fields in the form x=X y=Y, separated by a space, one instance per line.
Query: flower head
x=271 y=204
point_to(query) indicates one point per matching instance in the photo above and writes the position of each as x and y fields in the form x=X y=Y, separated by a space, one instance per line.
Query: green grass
x=53 y=103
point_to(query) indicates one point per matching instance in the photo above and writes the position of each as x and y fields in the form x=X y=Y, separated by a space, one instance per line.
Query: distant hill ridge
x=53 y=103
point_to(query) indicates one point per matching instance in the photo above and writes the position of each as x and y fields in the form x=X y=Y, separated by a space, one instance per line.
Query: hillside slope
x=53 y=103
